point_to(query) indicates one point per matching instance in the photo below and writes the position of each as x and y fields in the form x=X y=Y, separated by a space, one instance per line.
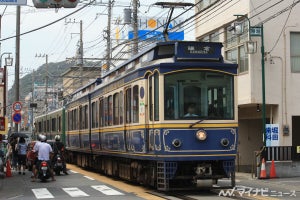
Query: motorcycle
x=44 y=171
x=58 y=164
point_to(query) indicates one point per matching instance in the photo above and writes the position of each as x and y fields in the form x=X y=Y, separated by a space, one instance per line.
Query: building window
x=243 y=60
x=213 y=37
x=295 y=52
x=232 y=55
x=238 y=55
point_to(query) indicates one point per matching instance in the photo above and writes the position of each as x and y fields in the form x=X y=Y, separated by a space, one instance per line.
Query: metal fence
x=282 y=153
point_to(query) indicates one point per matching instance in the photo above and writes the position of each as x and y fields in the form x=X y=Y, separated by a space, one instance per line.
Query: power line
x=49 y=24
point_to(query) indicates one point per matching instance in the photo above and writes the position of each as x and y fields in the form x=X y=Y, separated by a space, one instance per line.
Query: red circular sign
x=17 y=106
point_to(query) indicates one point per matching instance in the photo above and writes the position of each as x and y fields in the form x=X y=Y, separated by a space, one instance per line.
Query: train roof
x=169 y=52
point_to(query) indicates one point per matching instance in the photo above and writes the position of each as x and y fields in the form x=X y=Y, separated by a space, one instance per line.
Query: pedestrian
x=14 y=153
x=21 y=149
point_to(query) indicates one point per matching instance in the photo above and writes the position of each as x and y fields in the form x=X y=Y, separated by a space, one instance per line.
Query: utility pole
x=46 y=80
x=17 y=63
x=135 y=26
x=108 y=35
x=79 y=53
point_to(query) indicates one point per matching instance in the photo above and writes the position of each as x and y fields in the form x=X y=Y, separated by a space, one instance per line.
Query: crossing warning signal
x=55 y=3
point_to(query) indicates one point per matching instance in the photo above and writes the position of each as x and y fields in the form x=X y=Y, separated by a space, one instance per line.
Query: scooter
x=44 y=171
x=58 y=164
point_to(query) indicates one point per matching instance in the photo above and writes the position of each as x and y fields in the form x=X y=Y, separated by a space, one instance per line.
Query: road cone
x=263 y=173
x=8 y=169
x=273 y=171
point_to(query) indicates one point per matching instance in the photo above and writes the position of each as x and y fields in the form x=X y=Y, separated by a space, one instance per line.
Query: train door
x=153 y=112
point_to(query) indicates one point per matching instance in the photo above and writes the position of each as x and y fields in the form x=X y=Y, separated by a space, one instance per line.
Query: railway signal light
x=55 y=3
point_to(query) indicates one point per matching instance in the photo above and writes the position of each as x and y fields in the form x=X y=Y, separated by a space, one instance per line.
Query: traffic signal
x=55 y=3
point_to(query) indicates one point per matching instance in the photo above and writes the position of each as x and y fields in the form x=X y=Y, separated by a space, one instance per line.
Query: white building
x=280 y=23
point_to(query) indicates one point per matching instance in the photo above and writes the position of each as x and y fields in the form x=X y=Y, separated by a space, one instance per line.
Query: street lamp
x=258 y=31
x=238 y=29
x=3 y=77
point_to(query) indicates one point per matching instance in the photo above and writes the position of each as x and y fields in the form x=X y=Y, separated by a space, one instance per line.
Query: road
x=81 y=184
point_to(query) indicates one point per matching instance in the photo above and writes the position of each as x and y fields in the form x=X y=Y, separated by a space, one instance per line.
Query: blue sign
x=272 y=135
x=255 y=31
x=156 y=35
x=17 y=117
x=198 y=50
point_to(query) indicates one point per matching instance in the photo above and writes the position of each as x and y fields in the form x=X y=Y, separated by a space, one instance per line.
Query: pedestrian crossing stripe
x=44 y=193
x=106 y=190
x=75 y=192
x=90 y=178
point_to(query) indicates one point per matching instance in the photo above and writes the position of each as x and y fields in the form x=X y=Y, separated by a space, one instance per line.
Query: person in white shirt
x=191 y=111
x=45 y=152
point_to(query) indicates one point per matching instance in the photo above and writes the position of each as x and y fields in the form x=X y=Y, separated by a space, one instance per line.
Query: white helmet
x=57 y=138
x=43 y=138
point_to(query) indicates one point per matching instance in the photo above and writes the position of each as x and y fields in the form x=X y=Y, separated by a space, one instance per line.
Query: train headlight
x=224 y=142
x=176 y=143
x=201 y=135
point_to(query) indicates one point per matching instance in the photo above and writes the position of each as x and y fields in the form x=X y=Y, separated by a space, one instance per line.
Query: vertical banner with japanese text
x=272 y=135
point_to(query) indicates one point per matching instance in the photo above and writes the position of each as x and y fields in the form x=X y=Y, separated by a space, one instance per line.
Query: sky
x=59 y=40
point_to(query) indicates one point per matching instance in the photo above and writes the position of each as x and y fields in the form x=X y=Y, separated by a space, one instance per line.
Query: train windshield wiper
x=197 y=122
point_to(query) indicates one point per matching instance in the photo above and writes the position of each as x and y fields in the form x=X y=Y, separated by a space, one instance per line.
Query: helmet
x=57 y=138
x=40 y=137
x=43 y=138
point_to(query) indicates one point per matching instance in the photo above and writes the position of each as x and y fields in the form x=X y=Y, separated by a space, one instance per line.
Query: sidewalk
x=283 y=183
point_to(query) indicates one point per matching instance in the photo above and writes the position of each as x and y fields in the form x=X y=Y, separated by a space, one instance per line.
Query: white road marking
x=42 y=193
x=106 y=190
x=74 y=172
x=75 y=192
x=89 y=178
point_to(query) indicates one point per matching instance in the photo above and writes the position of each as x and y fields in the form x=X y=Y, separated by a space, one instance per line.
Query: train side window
x=110 y=110
x=75 y=119
x=81 y=122
x=53 y=124
x=156 y=97
x=94 y=114
x=59 y=123
x=105 y=112
x=116 y=109
x=169 y=103
x=101 y=112
x=121 y=107
x=40 y=126
x=150 y=99
x=86 y=116
x=128 y=105
x=135 y=104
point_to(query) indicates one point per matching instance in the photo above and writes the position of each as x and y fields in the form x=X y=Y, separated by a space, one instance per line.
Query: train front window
x=198 y=95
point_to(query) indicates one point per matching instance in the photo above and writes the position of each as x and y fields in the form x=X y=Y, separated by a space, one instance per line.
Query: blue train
x=165 y=118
